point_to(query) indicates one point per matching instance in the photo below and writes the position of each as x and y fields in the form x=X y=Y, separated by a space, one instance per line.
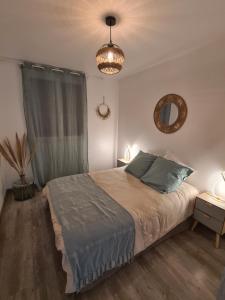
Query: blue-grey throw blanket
x=98 y=233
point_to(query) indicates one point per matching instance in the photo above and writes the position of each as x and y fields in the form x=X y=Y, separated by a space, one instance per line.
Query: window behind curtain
x=55 y=108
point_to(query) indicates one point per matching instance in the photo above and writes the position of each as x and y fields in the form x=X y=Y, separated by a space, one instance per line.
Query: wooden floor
x=186 y=266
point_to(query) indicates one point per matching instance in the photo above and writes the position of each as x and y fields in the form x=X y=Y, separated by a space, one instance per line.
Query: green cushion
x=165 y=175
x=140 y=164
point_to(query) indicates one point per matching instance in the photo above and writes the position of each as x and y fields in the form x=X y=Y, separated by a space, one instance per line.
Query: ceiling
x=67 y=33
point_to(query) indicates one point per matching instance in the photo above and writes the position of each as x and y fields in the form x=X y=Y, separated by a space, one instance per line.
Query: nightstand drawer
x=208 y=221
x=210 y=209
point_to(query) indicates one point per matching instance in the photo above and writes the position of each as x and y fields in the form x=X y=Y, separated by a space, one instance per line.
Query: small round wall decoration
x=103 y=111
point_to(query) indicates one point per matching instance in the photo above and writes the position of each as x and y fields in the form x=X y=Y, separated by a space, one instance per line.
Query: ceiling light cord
x=110 y=34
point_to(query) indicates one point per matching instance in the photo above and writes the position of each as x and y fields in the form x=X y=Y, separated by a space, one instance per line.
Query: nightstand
x=210 y=211
x=122 y=162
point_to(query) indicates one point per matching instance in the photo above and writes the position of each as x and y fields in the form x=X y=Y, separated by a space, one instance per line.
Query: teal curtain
x=55 y=106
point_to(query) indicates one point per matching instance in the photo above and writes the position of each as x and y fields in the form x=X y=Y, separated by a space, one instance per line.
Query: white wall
x=199 y=78
x=11 y=112
x=102 y=134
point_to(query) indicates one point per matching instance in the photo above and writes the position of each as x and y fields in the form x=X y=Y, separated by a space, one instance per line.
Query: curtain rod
x=21 y=62
x=40 y=66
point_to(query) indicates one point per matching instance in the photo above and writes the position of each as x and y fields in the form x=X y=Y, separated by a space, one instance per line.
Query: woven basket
x=23 y=191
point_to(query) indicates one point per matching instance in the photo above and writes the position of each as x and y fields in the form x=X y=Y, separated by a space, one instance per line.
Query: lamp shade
x=110 y=59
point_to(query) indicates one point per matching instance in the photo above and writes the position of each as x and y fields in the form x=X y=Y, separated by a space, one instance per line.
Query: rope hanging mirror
x=103 y=111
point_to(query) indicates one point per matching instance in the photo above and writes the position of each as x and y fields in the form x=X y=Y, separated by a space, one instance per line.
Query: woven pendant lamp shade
x=110 y=59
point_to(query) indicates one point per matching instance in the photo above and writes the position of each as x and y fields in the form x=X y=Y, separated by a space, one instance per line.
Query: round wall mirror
x=170 y=113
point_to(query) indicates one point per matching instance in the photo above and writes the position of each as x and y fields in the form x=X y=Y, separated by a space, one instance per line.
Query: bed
x=103 y=219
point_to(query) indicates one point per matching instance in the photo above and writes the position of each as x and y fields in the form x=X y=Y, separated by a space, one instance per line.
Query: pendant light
x=110 y=57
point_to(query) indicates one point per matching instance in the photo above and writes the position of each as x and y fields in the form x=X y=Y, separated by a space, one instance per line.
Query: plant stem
x=23 y=179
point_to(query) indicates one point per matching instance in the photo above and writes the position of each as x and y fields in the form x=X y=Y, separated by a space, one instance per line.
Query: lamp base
x=218 y=198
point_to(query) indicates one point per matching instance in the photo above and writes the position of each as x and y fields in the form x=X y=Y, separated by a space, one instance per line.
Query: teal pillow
x=140 y=164
x=165 y=175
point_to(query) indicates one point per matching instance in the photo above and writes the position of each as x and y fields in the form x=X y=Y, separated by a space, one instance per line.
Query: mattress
x=154 y=214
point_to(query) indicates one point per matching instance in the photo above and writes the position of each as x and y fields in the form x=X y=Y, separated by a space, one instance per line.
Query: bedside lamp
x=127 y=154
x=130 y=152
x=219 y=187
x=223 y=175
